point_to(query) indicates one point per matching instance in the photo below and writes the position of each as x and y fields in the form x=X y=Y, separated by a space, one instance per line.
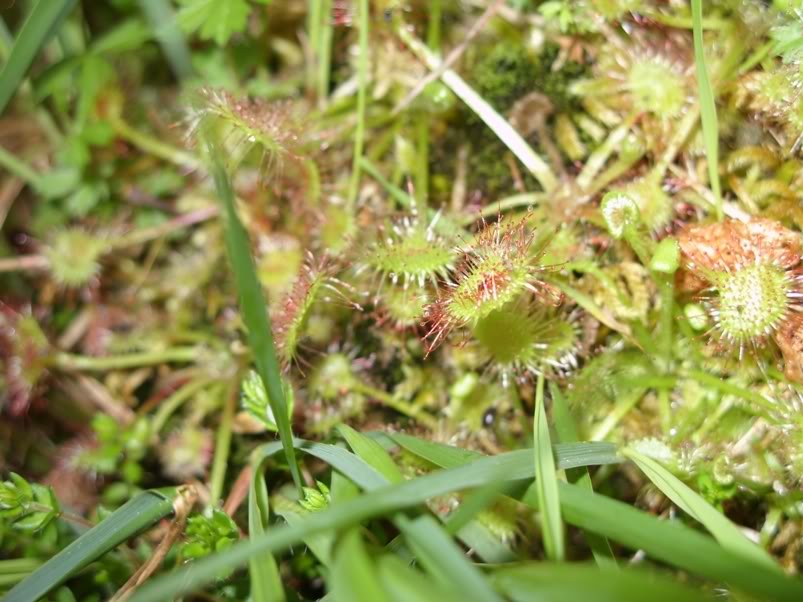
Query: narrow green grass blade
x=320 y=544
x=708 y=109
x=266 y=583
x=723 y=530
x=362 y=95
x=472 y=534
x=547 y=582
x=372 y=453
x=670 y=542
x=674 y=543
x=444 y=560
x=145 y=510
x=353 y=576
x=546 y=480
x=567 y=432
x=568 y=455
x=385 y=500
x=440 y=454
x=162 y=18
x=41 y=24
x=472 y=504
x=255 y=315
x=405 y=583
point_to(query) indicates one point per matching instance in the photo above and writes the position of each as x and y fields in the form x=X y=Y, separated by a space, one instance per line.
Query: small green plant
x=497 y=268
x=316 y=498
x=26 y=506
x=73 y=257
x=254 y=400
x=409 y=254
x=402 y=287
x=206 y=535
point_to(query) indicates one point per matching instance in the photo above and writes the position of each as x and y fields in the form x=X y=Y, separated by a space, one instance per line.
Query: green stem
x=422 y=163
x=708 y=106
x=162 y=19
x=223 y=445
x=314 y=12
x=404 y=199
x=756 y=57
x=683 y=131
x=667 y=291
x=362 y=93
x=622 y=406
x=153 y=146
x=20 y=169
x=731 y=389
x=598 y=158
x=325 y=53
x=434 y=25
x=400 y=406
x=67 y=516
x=172 y=403
x=516 y=201
x=69 y=361
x=19 y=565
x=614 y=171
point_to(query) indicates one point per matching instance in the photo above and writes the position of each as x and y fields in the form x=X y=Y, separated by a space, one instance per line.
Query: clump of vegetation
x=365 y=300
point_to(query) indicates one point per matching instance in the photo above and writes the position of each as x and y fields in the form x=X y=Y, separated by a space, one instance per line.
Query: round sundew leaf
x=752 y=301
x=518 y=340
x=412 y=255
x=656 y=88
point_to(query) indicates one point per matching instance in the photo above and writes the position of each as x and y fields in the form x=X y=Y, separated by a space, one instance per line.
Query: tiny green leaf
x=666 y=258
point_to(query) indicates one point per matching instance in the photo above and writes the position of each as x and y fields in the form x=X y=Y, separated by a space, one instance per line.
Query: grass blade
x=41 y=24
x=443 y=559
x=362 y=94
x=255 y=315
x=383 y=501
x=162 y=18
x=405 y=583
x=546 y=480
x=266 y=583
x=546 y=582
x=673 y=543
x=353 y=575
x=372 y=453
x=568 y=455
x=708 y=109
x=567 y=432
x=723 y=530
x=472 y=534
x=145 y=510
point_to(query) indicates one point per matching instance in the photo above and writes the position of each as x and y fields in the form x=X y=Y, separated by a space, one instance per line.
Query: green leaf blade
x=546 y=480
x=39 y=27
x=255 y=315
x=266 y=583
x=723 y=530
x=138 y=514
x=708 y=109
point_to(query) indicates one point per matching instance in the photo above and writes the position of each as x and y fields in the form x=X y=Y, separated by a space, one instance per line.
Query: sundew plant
x=401 y=300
